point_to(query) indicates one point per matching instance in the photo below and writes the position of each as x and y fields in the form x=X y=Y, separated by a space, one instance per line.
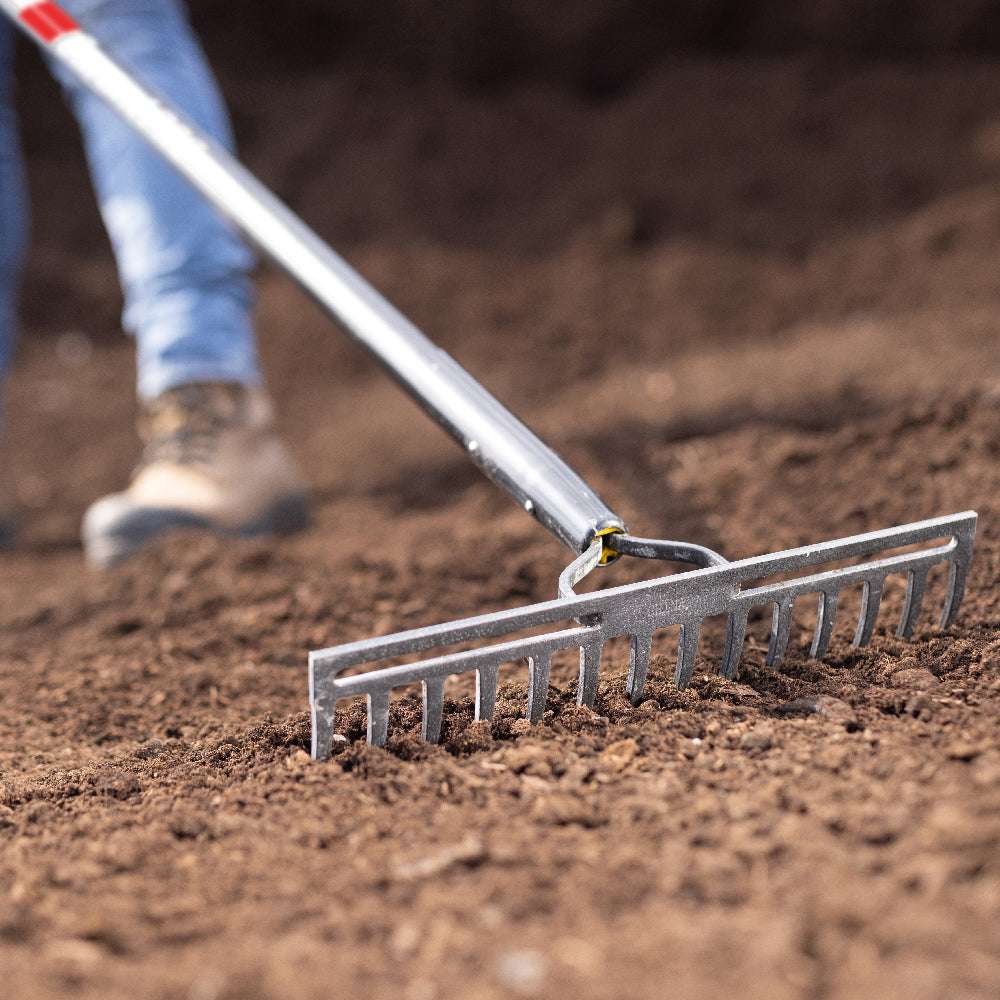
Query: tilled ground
x=756 y=304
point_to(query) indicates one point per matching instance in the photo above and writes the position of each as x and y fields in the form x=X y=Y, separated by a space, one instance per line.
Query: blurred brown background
x=594 y=46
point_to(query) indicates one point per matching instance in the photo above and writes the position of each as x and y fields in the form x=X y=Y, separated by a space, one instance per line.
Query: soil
x=754 y=302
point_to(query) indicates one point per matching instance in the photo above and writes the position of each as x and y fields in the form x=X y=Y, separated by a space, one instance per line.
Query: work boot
x=212 y=460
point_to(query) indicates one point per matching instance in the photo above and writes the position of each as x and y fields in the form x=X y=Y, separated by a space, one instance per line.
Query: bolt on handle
x=494 y=439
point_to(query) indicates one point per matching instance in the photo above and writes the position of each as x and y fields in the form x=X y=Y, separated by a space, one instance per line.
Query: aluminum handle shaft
x=495 y=440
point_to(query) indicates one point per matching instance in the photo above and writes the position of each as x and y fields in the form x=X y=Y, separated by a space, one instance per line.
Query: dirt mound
x=755 y=304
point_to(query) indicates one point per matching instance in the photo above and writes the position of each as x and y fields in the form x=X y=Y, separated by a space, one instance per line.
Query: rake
x=538 y=479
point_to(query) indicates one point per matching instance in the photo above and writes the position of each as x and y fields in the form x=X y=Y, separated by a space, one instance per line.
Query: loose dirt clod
x=915 y=678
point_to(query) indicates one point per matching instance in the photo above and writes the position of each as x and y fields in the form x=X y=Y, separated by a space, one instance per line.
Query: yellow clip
x=608 y=554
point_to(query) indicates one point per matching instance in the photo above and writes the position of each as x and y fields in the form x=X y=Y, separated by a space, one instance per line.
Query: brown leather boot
x=212 y=460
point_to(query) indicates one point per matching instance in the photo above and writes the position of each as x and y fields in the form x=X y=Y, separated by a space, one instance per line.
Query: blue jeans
x=184 y=271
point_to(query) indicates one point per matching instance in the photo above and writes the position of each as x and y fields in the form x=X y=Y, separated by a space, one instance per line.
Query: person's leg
x=213 y=458
x=184 y=271
x=13 y=205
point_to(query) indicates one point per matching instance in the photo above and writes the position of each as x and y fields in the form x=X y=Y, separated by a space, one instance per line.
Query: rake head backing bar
x=635 y=611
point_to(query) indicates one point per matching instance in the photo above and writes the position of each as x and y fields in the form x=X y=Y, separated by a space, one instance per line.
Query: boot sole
x=136 y=528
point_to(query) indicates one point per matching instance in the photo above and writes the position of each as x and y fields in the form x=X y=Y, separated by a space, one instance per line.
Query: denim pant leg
x=13 y=203
x=184 y=270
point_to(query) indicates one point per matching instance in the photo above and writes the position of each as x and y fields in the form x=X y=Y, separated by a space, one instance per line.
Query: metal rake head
x=636 y=611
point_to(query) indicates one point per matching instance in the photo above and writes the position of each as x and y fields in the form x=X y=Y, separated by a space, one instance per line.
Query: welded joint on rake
x=635 y=611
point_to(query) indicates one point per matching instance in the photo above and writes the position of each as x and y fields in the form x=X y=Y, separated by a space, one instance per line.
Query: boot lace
x=183 y=425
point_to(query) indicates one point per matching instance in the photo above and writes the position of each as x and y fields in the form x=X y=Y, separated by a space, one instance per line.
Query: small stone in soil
x=522 y=971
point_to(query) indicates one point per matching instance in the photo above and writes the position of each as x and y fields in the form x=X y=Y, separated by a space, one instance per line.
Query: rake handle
x=494 y=439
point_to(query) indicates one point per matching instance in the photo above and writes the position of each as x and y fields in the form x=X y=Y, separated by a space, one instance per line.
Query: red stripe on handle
x=48 y=21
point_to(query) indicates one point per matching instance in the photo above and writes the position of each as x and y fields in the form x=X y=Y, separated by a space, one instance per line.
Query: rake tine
x=871 y=599
x=322 y=732
x=687 y=649
x=781 y=624
x=736 y=630
x=826 y=617
x=433 y=708
x=915 y=583
x=378 y=718
x=638 y=665
x=590 y=668
x=486 y=691
x=958 y=570
x=538 y=685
